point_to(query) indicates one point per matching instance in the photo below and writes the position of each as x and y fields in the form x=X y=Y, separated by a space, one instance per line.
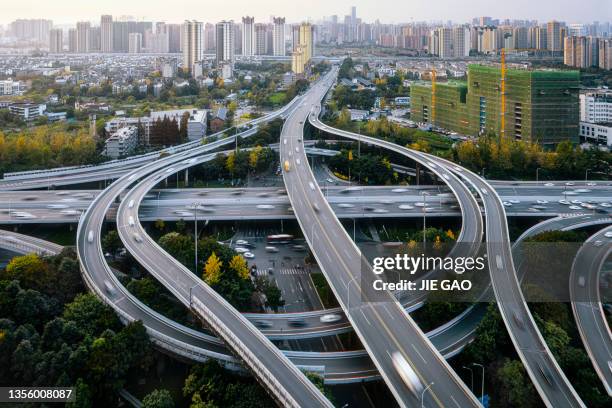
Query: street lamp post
x=423 y=394
x=483 y=378
x=538 y=175
x=471 y=377
x=195 y=234
x=424 y=194
x=586 y=176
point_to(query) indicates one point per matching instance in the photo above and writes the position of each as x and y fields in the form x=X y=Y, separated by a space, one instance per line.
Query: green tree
x=28 y=269
x=111 y=242
x=516 y=387
x=158 y=399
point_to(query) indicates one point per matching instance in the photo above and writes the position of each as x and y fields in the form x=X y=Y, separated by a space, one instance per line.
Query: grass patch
x=277 y=98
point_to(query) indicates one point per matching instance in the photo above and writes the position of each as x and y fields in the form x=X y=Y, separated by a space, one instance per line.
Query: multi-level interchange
x=394 y=344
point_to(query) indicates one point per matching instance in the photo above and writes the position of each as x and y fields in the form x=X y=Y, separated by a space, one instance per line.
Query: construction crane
x=433 y=96
x=502 y=108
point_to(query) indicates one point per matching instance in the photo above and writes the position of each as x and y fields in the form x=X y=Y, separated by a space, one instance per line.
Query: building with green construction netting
x=541 y=106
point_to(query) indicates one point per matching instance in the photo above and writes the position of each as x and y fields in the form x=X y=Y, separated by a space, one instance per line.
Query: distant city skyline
x=388 y=11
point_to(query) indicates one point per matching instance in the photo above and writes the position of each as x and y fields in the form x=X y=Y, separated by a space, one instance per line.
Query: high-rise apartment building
x=209 y=37
x=461 y=41
x=248 y=36
x=278 y=36
x=72 y=40
x=135 y=43
x=554 y=36
x=225 y=42
x=174 y=37
x=581 y=52
x=304 y=50
x=82 y=36
x=605 y=53
x=192 y=43
x=56 y=38
x=261 y=39
x=120 y=36
x=106 y=33
x=94 y=40
x=31 y=30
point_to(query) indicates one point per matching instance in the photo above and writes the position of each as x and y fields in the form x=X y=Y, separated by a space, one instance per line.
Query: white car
x=514 y=201
x=241 y=250
x=608 y=234
x=242 y=242
x=582 y=190
x=576 y=202
x=549 y=184
x=330 y=318
x=265 y=206
x=345 y=205
x=574 y=207
x=406 y=207
x=137 y=237
x=311 y=185
x=407 y=373
x=507 y=204
x=542 y=202
x=399 y=190
x=606 y=205
x=569 y=183
x=381 y=211
x=248 y=255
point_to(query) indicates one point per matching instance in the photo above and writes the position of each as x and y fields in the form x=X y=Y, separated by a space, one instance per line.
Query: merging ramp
x=585 y=293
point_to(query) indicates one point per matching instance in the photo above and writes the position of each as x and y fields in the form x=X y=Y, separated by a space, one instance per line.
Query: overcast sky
x=393 y=11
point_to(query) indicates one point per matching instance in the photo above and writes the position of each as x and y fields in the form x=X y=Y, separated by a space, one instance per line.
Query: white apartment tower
x=82 y=36
x=106 y=33
x=192 y=42
x=248 y=36
x=278 y=36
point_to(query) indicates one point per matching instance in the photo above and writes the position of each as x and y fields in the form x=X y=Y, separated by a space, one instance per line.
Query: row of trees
x=370 y=168
x=53 y=334
x=46 y=147
x=521 y=159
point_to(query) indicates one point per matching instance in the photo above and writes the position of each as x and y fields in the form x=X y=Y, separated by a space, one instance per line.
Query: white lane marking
x=364 y=316
x=420 y=355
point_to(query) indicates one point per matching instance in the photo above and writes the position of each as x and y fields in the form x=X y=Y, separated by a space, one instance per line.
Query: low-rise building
x=10 y=87
x=218 y=120
x=598 y=133
x=27 y=111
x=358 y=114
x=122 y=142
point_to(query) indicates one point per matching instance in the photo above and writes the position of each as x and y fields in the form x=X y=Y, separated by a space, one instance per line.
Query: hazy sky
x=69 y=11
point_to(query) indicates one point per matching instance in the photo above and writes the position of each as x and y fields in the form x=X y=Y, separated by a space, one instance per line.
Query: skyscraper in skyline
x=192 y=43
x=225 y=42
x=106 y=33
x=56 y=37
x=248 y=36
x=82 y=36
x=278 y=36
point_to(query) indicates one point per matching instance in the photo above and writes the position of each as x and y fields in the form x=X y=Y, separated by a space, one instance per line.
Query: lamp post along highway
x=483 y=379
x=195 y=235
